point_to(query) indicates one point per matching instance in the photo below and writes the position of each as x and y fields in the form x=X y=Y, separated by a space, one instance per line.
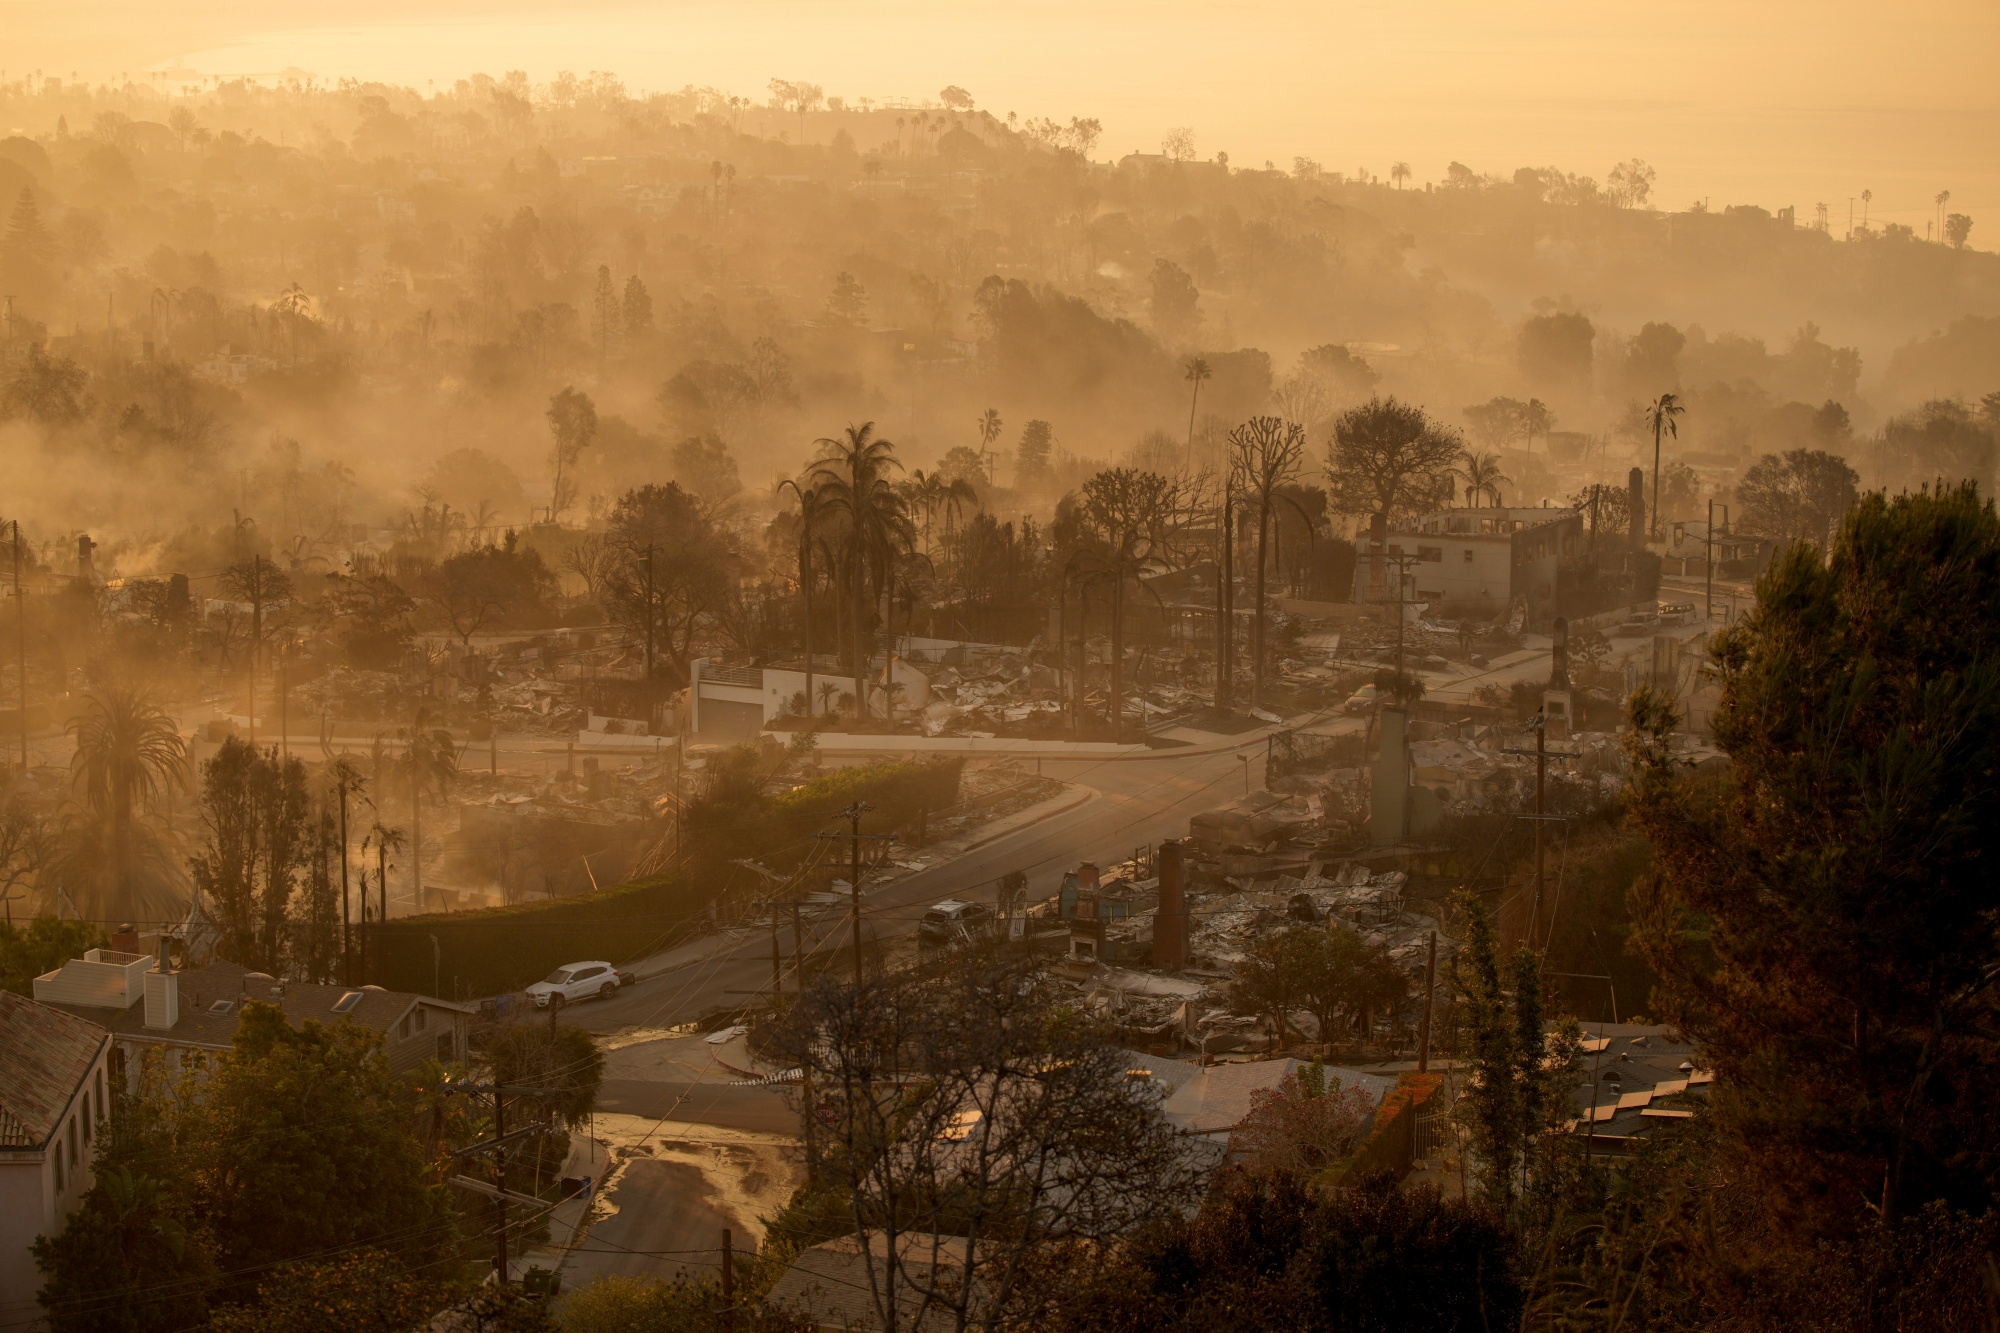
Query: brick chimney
x=1170 y=922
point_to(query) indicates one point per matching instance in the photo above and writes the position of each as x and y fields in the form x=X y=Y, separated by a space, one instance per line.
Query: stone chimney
x=1559 y=656
x=1636 y=489
x=163 y=991
x=1170 y=922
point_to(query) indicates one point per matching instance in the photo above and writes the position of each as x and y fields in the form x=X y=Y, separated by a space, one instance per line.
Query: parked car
x=575 y=981
x=951 y=921
x=1364 y=698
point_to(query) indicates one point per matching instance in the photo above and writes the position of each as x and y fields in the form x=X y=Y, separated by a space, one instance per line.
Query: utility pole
x=20 y=630
x=497 y=1145
x=1402 y=564
x=500 y=1182
x=346 y=930
x=728 y=1285
x=852 y=814
x=1708 y=559
x=798 y=951
x=1542 y=755
x=777 y=974
x=1225 y=607
x=1430 y=989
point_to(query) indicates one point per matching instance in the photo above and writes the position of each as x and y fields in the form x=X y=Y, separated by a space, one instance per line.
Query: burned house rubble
x=1151 y=942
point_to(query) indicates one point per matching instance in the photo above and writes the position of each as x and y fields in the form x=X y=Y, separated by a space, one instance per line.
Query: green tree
x=1387 y=459
x=1821 y=919
x=484 y=587
x=296 y=1143
x=1031 y=456
x=305 y=1142
x=847 y=303
x=670 y=569
x=114 y=859
x=1271 y=979
x=572 y=427
x=124 y=1263
x=550 y=1055
x=1175 y=304
x=259 y=840
x=1517 y=1091
x=45 y=388
x=637 y=310
x=1799 y=496
x=364 y=1291
x=42 y=945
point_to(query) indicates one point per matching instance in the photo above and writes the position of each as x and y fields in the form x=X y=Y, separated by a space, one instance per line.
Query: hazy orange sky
x=1771 y=103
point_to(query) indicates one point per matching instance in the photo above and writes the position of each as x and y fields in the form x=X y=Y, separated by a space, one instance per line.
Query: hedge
x=503 y=949
x=727 y=822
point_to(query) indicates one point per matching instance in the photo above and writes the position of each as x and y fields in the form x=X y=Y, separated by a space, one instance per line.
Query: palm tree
x=1943 y=198
x=1399 y=172
x=923 y=492
x=852 y=472
x=384 y=840
x=430 y=759
x=1660 y=416
x=1194 y=370
x=128 y=753
x=809 y=515
x=989 y=431
x=1482 y=475
x=1867 y=197
x=1536 y=419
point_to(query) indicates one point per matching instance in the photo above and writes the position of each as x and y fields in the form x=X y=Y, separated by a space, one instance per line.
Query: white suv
x=575 y=981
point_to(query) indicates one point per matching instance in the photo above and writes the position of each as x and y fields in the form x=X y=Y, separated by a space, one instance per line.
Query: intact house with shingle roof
x=53 y=1073
x=180 y=1014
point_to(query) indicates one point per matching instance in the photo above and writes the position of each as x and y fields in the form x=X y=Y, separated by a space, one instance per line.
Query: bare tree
x=1128 y=515
x=1264 y=454
x=589 y=559
x=976 y=1128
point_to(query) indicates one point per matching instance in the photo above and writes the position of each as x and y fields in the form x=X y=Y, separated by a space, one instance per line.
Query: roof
x=1631 y=1078
x=829 y=1284
x=203 y=989
x=1219 y=1096
x=45 y=1055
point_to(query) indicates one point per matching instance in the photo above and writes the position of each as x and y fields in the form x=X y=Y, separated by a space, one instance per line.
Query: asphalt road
x=667 y=1223
x=1135 y=802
